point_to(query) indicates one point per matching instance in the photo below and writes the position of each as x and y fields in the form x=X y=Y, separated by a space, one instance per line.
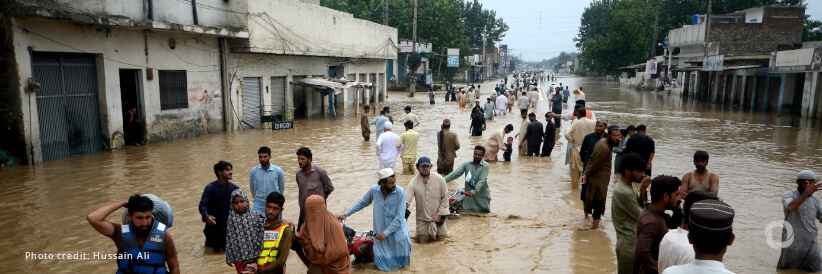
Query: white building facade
x=292 y=40
x=72 y=68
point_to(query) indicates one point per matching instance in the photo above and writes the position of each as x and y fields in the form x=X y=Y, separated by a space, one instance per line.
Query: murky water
x=537 y=224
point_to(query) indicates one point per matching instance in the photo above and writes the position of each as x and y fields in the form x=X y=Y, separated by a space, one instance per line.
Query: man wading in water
x=141 y=253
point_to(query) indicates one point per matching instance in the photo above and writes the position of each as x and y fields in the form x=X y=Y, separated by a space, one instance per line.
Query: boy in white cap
x=801 y=206
x=392 y=249
x=387 y=148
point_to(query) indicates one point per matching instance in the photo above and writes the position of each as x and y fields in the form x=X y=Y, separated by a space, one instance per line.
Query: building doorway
x=67 y=104
x=133 y=126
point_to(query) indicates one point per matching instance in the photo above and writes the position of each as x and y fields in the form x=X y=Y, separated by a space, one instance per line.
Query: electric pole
x=385 y=12
x=484 y=57
x=707 y=45
x=656 y=28
x=707 y=27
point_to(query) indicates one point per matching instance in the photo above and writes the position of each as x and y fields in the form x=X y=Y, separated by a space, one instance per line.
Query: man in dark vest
x=143 y=244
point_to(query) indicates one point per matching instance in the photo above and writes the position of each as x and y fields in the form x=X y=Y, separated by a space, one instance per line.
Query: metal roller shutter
x=67 y=104
x=277 y=95
x=251 y=101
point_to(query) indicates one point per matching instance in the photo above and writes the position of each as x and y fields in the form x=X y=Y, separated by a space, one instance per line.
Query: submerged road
x=537 y=223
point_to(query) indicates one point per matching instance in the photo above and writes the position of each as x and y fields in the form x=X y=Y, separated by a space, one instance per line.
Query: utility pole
x=656 y=28
x=414 y=51
x=707 y=27
x=385 y=12
x=707 y=45
x=484 y=57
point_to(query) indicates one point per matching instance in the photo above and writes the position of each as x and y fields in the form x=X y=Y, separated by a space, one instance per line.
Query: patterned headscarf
x=244 y=238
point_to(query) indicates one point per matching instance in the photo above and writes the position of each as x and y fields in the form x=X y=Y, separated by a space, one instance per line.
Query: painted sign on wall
x=714 y=63
x=800 y=60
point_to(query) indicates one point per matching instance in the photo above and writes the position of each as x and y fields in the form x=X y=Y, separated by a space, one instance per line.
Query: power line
x=210 y=7
x=25 y=30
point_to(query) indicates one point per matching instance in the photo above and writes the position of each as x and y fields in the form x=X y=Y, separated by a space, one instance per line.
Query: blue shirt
x=263 y=182
x=389 y=219
x=380 y=122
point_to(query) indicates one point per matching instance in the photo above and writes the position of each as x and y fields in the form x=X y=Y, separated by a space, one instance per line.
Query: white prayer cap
x=388 y=126
x=385 y=173
x=806 y=175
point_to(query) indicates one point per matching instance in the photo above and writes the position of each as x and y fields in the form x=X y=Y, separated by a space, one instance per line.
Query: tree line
x=557 y=62
x=617 y=33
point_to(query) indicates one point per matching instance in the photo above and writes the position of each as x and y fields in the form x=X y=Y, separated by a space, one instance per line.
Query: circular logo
x=773 y=226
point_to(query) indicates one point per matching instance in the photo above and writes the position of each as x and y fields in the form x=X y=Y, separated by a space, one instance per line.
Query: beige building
x=72 y=68
x=291 y=40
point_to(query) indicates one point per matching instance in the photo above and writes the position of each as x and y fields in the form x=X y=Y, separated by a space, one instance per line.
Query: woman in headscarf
x=244 y=237
x=323 y=239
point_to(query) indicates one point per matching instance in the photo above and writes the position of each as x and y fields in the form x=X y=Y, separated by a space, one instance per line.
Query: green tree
x=515 y=61
x=478 y=21
x=812 y=31
x=556 y=62
x=615 y=33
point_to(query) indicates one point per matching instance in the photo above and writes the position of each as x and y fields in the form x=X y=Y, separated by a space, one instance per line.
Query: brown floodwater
x=536 y=224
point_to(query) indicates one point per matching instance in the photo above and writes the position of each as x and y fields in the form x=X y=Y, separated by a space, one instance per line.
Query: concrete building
x=290 y=40
x=405 y=48
x=804 y=67
x=481 y=69
x=739 y=46
x=72 y=68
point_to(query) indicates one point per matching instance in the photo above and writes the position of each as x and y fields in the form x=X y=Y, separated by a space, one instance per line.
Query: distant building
x=484 y=67
x=289 y=41
x=404 y=49
x=803 y=67
x=740 y=45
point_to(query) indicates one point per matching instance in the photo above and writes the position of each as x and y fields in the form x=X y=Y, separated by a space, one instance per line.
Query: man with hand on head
x=145 y=243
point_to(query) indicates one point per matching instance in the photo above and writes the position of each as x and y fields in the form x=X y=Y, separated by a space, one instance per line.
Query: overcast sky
x=541 y=29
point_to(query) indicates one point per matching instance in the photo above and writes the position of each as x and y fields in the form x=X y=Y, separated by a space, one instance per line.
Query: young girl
x=244 y=238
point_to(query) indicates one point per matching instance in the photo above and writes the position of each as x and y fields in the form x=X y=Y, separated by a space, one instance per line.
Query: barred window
x=173 y=89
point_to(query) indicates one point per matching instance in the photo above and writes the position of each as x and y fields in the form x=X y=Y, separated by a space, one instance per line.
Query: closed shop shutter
x=251 y=101
x=67 y=104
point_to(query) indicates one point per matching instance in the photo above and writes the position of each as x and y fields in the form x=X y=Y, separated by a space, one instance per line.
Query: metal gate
x=277 y=95
x=251 y=101
x=67 y=104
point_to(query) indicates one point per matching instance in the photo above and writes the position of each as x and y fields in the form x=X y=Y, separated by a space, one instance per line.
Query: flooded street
x=536 y=224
